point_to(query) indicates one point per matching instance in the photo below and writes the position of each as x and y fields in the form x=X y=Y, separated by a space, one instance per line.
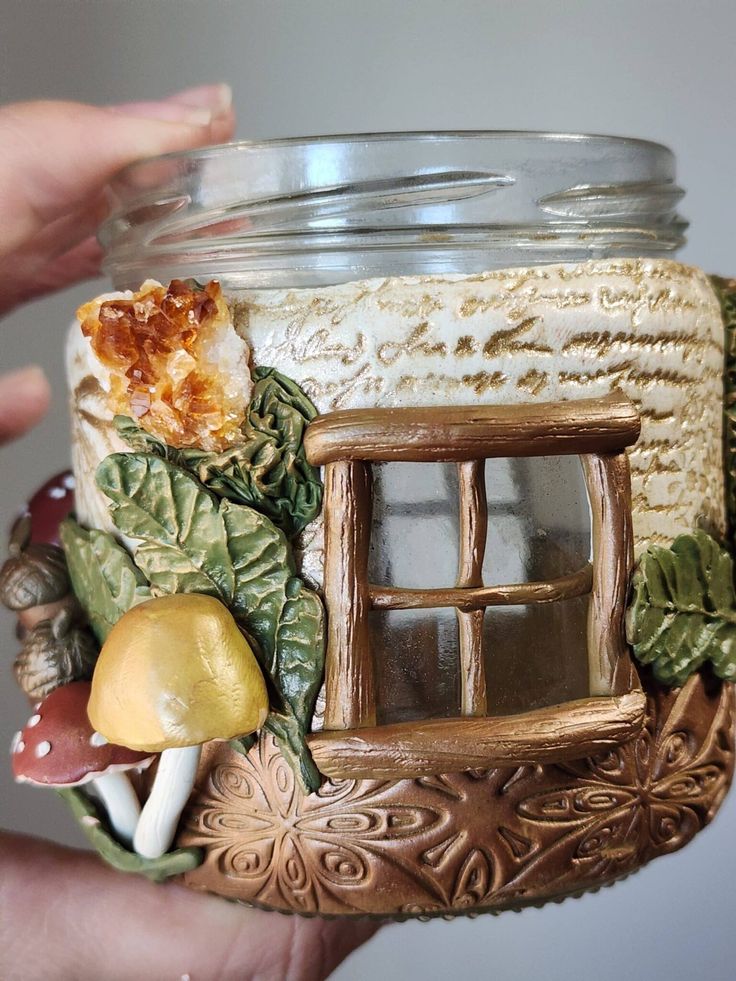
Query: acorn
x=27 y=619
x=34 y=574
x=54 y=653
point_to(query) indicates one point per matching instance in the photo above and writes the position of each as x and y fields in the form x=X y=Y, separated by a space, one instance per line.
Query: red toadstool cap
x=59 y=748
x=49 y=506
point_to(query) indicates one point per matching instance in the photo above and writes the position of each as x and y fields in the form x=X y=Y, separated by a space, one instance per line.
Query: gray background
x=663 y=70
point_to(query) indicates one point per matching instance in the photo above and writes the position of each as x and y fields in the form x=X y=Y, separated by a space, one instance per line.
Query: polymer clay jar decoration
x=435 y=423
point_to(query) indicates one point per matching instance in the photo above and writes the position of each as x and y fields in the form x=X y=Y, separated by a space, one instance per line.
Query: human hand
x=63 y=914
x=55 y=160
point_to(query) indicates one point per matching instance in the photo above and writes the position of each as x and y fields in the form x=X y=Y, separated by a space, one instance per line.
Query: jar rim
x=403 y=136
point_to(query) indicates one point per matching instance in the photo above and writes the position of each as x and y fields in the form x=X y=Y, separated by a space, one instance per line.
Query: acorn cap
x=54 y=653
x=176 y=671
x=32 y=576
x=59 y=748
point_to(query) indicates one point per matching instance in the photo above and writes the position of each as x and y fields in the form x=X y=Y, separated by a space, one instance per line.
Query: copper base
x=480 y=841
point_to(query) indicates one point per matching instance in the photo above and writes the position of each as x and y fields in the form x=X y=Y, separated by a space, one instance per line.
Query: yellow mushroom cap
x=176 y=671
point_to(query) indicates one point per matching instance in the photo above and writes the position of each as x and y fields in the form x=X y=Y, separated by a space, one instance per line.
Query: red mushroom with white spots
x=49 y=506
x=59 y=748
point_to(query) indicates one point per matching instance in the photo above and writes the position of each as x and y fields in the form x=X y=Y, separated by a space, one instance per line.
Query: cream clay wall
x=663 y=70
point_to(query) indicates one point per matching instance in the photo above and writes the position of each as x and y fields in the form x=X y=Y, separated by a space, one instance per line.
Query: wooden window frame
x=346 y=443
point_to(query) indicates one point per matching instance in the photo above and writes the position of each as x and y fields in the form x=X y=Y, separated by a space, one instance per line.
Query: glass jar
x=308 y=214
x=519 y=391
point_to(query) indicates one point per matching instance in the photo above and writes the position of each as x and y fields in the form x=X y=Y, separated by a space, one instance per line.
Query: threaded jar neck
x=322 y=210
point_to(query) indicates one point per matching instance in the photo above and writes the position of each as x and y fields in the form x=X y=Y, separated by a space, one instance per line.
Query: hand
x=55 y=159
x=63 y=914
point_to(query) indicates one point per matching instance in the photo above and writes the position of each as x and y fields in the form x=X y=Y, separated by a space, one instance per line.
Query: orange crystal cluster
x=163 y=349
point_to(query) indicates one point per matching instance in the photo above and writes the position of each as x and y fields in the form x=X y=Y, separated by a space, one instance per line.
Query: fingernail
x=218 y=98
x=167 y=112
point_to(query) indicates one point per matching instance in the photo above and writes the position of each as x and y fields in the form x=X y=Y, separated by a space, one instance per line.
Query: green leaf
x=95 y=827
x=289 y=735
x=286 y=620
x=183 y=541
x=683 y=609
x=300 y=649
x=141 y=441
x=269 y=470
x=104 y=577
x=284 y=617
x=243 y=744
x=190 y=542
x=262 y=564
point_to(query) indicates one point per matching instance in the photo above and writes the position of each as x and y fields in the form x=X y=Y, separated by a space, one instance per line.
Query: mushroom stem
x=177 y=770
x=121 y=803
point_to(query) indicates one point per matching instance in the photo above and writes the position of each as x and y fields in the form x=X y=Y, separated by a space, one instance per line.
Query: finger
x=59 y=236
x=81 y=262
x=223 y=127
x=88 y=145
x=28 y=272
x=218 y=97
x=24 y=399
x=65 y=915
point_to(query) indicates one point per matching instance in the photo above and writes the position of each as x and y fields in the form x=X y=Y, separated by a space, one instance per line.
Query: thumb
x=58 y=155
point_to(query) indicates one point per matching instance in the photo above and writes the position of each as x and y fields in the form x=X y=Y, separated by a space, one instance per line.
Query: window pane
x=416 y=664
x=538 y=519
x=535 y=655
x=414 y=536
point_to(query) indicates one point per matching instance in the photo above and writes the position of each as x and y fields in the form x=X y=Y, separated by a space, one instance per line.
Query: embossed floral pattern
x=485 y=839
x=644 y=799
x=295 y=850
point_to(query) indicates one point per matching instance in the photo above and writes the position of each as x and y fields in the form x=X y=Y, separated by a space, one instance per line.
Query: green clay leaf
x=300 y=649
x=104 y=577
x=243 y=744
x=183 y=541
x=269 y=471
x=97 y=831
x=262 y=564
x=193 y=543
x=286 y=620
x=289 y=735
x=683 y=609
x=141 y=441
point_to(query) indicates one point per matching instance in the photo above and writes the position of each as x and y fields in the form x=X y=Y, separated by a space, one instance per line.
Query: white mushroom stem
x=177 y=770
x=121 y=803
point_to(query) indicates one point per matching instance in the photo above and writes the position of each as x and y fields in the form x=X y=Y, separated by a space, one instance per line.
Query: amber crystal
x=174 y=361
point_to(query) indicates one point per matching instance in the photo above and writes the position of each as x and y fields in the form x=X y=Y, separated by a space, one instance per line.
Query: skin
x=50 y=205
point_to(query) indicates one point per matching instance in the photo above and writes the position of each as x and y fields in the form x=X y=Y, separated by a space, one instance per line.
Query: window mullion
x=350 y=701
x=609 y=490
x=466 y=598
x=473 y=531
